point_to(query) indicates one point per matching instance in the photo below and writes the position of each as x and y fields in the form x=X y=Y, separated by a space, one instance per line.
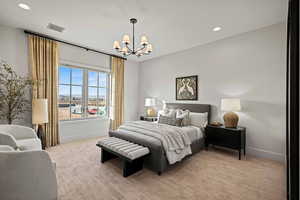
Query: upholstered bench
x=132 y=154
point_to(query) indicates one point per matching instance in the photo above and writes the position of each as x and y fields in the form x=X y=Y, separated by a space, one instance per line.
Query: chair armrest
x=20 y=132
x=27 y=175
x=6 y=148
x=7 y=139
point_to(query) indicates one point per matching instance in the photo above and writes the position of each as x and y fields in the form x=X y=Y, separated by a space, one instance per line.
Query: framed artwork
x=187 y=88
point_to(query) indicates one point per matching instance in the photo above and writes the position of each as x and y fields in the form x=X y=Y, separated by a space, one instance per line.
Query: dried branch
x=13 y=88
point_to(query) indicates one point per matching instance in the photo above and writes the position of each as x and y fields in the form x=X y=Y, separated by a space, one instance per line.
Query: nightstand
x=234 y=138
x=150 y=119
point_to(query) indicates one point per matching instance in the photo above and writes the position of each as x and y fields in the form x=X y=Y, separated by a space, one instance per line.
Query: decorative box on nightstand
x=234 y=138
x=150 y=119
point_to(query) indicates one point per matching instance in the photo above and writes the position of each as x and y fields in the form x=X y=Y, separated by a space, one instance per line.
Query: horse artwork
x=187 y=88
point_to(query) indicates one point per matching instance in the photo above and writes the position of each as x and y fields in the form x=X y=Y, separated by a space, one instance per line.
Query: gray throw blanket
x=175 y=140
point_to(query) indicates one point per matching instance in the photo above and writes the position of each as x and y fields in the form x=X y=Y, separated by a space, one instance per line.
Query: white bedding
x=176 y=141
x=194 y=132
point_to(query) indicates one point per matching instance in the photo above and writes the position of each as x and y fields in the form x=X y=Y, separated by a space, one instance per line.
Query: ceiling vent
x=55 y=27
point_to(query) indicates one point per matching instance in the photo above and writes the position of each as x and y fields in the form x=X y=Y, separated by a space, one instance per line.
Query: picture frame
x=187 y=88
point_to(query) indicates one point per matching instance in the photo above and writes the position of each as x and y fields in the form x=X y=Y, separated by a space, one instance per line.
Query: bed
x=157 y=160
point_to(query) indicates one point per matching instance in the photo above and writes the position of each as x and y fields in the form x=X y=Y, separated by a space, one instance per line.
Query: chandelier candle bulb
x=126 y=39
x=116 y=45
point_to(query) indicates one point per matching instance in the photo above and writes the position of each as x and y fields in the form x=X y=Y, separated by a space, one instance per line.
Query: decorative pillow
x=184 y=115
x=199 y=119
x=170 y=121
x=167 y=113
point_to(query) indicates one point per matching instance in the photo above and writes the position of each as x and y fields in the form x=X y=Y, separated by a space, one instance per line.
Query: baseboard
x=76 y=138
x=265 y=154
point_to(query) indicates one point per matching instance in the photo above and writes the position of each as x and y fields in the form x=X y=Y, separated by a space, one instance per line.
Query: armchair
x=19 y=137
x=26 y=175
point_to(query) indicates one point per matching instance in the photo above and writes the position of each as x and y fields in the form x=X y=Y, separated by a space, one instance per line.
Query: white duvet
x=176 y=141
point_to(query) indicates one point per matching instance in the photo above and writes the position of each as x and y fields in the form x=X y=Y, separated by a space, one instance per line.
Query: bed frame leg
x=158 y=173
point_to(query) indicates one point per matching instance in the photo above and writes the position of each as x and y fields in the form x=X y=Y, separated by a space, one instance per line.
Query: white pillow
x=199 y=119
x=167 y=113
x=184 y=115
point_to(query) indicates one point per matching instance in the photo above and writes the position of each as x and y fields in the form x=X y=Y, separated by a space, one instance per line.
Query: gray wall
x=250 y=66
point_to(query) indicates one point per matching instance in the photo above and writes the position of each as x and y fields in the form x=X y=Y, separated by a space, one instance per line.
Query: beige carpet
x=214 y=174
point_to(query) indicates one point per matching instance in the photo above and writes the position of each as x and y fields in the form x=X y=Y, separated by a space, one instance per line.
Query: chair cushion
x=29 y=144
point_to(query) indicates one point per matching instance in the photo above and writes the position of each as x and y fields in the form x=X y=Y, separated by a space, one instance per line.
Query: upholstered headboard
x=199 y=108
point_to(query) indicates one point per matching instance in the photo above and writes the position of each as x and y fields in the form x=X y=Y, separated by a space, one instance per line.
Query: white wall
x=250 y=66
x=13 y=50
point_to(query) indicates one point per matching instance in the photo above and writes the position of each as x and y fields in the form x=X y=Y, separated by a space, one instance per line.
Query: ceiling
x=171 y=25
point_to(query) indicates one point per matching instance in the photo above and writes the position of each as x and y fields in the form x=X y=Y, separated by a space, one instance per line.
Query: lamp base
x=231 y=120
x=41 y=135
x=151 y=112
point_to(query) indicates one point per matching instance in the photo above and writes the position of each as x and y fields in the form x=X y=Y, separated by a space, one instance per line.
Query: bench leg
x=132 y=167
x=105 y=156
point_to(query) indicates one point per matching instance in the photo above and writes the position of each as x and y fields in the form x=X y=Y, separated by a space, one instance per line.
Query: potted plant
x=13 y=93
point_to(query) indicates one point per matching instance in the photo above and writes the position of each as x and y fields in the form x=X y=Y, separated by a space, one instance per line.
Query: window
x=97 y=94
x=82 y=93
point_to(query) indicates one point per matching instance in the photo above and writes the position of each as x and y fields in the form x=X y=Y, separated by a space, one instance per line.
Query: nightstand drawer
x=223 y=137
x=234 y=138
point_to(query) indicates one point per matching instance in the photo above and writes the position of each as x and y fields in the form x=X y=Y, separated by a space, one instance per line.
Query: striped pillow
x=170 y=121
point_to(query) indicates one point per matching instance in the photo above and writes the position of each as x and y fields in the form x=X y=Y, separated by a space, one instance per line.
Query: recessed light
x=217 y=28
x=24 y=6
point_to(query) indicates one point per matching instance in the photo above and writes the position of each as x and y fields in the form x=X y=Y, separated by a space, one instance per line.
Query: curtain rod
x=72 y=44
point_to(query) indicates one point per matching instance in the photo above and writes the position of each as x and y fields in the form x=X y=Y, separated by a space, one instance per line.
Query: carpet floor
x=208 y=175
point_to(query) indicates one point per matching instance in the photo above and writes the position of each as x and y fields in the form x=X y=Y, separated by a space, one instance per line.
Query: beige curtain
x=117 y=94
x=44 y=63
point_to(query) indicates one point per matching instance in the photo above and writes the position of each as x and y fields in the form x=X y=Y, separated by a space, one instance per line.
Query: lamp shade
x=149 y=102
x=144 y=40
x=230 y=105
x=126 y=39
x=117 y=45
x=39 y=111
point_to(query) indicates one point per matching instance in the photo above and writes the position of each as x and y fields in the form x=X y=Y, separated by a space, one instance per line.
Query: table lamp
x=40 y=116
x=150 y=102
x=230 y=106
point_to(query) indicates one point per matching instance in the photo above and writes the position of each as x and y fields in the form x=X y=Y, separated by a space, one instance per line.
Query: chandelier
x=144 y=49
